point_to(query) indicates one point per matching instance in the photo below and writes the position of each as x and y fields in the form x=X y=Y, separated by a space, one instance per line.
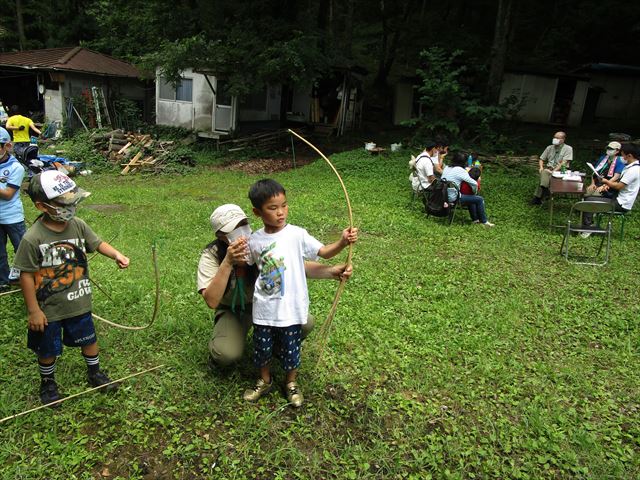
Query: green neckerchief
x=238 y=290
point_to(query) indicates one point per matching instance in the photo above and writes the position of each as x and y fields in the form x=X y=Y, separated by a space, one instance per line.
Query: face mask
x=556 y=141
x=611 y=152
x=241 y=231
x=62 y=214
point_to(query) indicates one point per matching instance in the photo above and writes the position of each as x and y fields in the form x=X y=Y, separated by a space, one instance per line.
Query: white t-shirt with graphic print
x=280 y=297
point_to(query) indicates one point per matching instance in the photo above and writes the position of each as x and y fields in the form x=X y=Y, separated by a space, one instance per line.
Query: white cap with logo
x=55 y=185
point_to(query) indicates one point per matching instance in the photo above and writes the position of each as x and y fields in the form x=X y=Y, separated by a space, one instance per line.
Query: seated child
x=473 y=160
x=55 y=281
x=281 y=299
x=465 y=188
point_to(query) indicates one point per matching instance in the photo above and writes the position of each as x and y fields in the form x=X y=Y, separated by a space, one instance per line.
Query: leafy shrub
x=80 y=148
x=166 y=132
x=127 y=114
x=450 y=107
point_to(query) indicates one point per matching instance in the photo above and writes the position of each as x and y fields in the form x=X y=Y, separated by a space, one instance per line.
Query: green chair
x=597 y=208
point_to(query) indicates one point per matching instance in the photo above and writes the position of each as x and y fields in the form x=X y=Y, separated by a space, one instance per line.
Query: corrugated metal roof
x=71 y=59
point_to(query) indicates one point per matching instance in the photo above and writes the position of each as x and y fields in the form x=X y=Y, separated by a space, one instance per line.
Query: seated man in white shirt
x=626 y=186
x=423 y=168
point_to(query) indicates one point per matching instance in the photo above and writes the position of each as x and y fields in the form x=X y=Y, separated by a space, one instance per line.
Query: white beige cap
x=226 y=217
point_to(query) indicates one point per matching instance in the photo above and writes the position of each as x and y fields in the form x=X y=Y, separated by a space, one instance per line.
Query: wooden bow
x=326 y=327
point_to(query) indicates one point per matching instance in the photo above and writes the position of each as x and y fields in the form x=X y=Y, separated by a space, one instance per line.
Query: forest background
x=255 y=42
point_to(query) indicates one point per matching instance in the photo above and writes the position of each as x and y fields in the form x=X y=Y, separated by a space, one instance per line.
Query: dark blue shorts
x=287 y=341
x=73 y=332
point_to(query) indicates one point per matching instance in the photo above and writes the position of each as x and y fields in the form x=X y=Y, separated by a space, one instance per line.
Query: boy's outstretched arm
x=37 y=318
x=108 y=251
x=349 y=235
x=317 y=270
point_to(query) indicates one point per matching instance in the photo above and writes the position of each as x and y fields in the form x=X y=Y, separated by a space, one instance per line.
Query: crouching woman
x=226 y=283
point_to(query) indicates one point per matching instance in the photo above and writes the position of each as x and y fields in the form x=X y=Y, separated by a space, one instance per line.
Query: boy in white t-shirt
x=281 y=299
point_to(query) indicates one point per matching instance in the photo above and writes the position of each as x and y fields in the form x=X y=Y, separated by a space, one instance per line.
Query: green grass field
x=457 y=352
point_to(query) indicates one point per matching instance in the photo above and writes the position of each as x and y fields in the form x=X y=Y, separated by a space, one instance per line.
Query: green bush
x=80 y=148
x=451 y=107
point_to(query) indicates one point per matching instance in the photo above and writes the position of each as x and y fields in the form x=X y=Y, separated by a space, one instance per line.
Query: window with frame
x=181 y=92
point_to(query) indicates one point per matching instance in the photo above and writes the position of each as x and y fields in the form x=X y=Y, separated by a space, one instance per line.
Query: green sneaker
x=294 y=395
x=261 y=388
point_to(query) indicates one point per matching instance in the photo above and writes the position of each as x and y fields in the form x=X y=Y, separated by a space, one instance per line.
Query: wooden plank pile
x=135 y=152
x=271 y=140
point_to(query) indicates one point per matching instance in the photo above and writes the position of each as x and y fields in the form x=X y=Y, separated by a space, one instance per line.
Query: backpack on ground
x=436 y=198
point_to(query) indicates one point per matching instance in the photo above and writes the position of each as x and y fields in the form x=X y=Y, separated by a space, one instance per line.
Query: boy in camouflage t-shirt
x=55 y=281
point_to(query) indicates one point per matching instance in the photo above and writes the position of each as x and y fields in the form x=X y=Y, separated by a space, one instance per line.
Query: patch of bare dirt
x=267 y=165
x=106 y=208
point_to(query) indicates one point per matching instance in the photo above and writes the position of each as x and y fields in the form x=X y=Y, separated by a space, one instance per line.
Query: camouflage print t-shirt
x=59 y=263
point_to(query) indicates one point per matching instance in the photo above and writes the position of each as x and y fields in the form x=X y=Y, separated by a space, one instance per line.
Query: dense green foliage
x=257 y=41
x=457 y=352
x=450 y=106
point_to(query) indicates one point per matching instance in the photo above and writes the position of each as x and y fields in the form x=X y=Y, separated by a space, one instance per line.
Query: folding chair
x=457 y=204
x=622 y=215
x=451 y=211
x=597 y=208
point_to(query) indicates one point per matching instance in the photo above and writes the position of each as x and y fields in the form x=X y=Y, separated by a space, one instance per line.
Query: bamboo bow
x=326 y=327
x=156 y=303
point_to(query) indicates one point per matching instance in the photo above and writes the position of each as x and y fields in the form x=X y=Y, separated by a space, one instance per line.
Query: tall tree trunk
x=389 y=48
x=20 y=22
x=348 y=27
x=499 y=50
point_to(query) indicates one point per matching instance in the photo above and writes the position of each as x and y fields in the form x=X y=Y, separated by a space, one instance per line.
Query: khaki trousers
x=230 y=332
x=545 y=178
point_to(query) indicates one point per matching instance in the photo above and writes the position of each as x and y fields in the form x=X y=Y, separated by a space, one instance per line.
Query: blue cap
x=4 y=136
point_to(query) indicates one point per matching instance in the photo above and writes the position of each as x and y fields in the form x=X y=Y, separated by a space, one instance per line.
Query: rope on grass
x=11 y=417
x=156 y=303
x=326 y=327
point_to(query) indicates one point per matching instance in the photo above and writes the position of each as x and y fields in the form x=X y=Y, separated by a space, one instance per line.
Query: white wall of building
x=577 y=105
x=620 y=98
x=403 y=102
x=53 y=105
x=301 y=103
x=195 y=114
x=538 y=93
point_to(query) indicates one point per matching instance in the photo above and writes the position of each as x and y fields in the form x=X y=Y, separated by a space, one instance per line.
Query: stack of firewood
x=135 y=152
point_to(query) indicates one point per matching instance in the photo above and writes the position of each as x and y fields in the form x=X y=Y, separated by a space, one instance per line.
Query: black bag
x=437 y=198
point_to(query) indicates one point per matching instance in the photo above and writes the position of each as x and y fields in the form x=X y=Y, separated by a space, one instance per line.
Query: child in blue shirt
x=12 y=225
